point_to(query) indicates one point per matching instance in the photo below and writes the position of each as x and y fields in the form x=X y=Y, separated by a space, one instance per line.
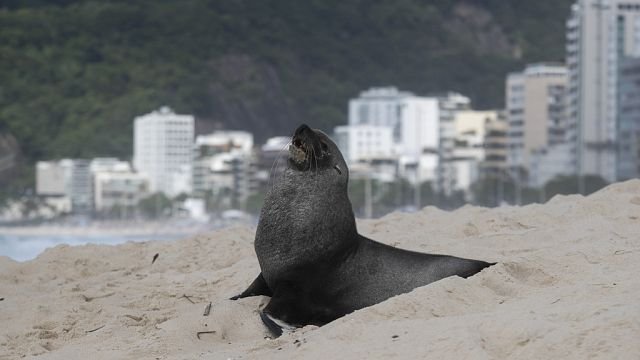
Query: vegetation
x=563 y=185
x=155 y=206
x=74 y=73
x=488 y=192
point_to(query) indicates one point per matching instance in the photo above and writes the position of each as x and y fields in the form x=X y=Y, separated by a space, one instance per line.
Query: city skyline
x=546 y=129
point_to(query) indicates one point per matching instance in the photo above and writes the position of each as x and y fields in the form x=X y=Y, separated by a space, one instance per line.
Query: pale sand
x=567 y=286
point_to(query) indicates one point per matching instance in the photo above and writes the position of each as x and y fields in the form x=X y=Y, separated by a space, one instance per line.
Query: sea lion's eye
x=324 y=146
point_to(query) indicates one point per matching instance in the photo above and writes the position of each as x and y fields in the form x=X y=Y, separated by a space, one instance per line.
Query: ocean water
x=27 y=247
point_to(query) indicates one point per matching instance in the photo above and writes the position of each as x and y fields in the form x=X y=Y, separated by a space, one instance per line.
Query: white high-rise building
x=410 y=122
x=413 y=120
x=419 y=126
x=163 y=150
x=600 y=33
x=364 y=142
x=378 y=107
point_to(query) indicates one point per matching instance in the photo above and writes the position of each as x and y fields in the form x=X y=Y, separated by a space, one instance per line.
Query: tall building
x=413 y=124
x=494 y=165
x=364 y=142
x=450 y=104
x=629 y=119
x=163 y=150
x=535 y=100
x=479 y=148
x=600 y=34
x=379 y=107
x=413 y=120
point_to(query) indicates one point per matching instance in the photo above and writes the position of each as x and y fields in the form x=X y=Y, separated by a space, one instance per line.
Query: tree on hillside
x=155 y=206
x=570 y=185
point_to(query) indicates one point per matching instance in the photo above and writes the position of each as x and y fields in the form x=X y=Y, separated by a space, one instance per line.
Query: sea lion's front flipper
x=286 y=310
x=275 y=326
x=292 y=307
x=257 y=287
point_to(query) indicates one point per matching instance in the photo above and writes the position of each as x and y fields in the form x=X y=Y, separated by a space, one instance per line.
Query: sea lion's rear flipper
x=257 y=287
x=472 y=267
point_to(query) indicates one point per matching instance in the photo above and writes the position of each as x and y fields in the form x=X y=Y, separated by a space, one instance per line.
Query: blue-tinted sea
x=23 y=247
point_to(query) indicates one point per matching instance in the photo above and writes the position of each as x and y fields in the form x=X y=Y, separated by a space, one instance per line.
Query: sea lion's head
x=312 y=150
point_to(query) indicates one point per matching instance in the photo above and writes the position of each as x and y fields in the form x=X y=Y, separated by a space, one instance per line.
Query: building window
x=363 y=114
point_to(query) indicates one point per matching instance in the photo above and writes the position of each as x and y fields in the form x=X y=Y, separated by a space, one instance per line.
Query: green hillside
x=73 y=74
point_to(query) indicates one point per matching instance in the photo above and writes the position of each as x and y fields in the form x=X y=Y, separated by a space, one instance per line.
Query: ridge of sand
x=566 y=286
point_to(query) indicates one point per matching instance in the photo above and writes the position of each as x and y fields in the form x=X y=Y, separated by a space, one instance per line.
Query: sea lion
x=315 y=266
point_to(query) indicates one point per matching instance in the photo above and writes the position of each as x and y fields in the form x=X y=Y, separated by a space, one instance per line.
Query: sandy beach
x=566 y=286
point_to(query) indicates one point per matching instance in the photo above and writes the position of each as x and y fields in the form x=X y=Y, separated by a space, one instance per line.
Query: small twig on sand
x=207 y=310
x=622 y=252
x=91 y=298
x=204 y=332
x=132 y=317
x=587 y=258
x=96 y=329
x=188 y=298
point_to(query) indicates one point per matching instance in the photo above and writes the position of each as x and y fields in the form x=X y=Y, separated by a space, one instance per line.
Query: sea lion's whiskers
x=276 y=163
x=274 y=166
x=308 y=158
x=280 y=157
x=315 y=157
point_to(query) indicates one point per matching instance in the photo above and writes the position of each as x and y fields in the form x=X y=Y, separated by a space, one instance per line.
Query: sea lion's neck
x=306 y=218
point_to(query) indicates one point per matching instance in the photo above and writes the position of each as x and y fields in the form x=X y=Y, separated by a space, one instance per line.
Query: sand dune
x=567 y=286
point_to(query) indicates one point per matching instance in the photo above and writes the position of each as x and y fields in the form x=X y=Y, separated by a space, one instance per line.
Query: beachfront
x=566 y=286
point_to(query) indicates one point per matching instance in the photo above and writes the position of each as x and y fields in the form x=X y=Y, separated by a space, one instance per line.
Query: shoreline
x=94 y=231
x=145 y=228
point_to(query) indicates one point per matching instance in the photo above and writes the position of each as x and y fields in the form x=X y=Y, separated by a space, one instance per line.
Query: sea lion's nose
x=302 y=129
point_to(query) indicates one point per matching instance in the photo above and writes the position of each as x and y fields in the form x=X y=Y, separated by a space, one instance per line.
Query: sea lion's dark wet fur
x=315 y=265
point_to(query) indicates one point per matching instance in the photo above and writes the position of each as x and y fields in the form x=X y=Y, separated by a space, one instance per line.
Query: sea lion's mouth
x=297 y=151
x=306 y=150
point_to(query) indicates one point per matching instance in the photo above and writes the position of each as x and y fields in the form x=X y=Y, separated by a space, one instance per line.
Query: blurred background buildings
x=564 y=127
